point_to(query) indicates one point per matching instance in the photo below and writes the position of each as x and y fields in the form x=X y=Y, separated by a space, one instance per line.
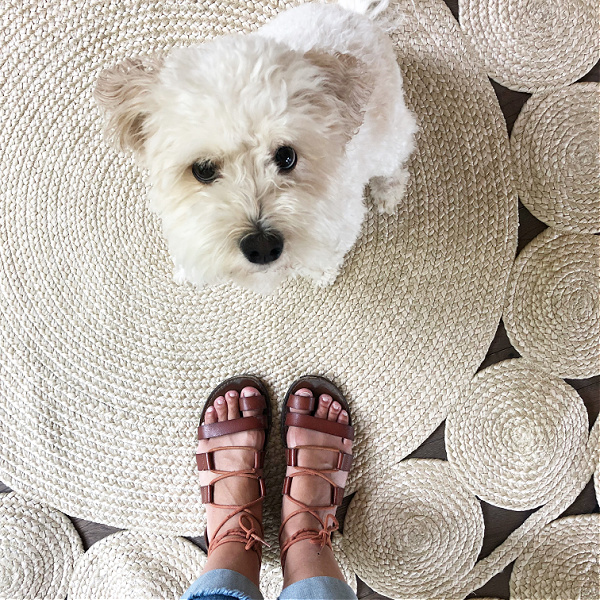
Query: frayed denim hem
x=222 y=584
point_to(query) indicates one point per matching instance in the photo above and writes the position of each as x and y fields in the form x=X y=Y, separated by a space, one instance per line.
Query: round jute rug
x=532 y=46
x=515 y=434
x=105 y=362
x=556 y=154
x=552 y=313
x=561 y=562
x=38 y=549
x=398 y=534
x=136 y=565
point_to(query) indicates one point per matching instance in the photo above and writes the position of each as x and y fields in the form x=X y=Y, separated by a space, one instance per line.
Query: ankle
x=234 y=556
x=306 y=559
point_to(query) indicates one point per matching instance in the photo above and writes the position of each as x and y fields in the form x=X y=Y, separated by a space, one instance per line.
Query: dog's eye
x=285 y=158
x=205 y=172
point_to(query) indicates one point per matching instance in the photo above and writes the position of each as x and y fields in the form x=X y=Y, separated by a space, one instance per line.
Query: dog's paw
x=387 y=192
x=179 y=275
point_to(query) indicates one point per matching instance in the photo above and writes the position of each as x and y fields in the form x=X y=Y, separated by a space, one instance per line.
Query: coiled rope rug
x=105 y=361
x=38 y=550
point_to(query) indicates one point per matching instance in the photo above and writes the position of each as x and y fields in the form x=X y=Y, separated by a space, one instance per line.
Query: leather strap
x=301 y=402
x=337 y=493
x=206 y=460
x=226 y=427
x=207 y=492
x=322 y=425
x=252 y=403
x=344 y=461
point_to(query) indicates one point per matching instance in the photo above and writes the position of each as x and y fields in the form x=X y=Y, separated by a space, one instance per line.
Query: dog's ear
x=125 y=93
x=347 y=80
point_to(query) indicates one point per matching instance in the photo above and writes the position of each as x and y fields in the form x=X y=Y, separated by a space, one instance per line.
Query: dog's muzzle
x=262 y=247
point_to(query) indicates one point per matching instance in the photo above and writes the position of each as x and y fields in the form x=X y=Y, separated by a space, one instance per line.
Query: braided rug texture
x=38 y=549
x=533 y=46
x=552 y=313
x=105 y=361
x=556 y=152
x=515 y=433
x=136 y=565
x=563 y=561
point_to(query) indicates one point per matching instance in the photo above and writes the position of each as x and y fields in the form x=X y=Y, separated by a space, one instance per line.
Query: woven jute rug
x=563 y=561
x=533 y=46
x=552 y=313
x=105 y=362
x=556 y=151
x=38 y=550
x=140 y=565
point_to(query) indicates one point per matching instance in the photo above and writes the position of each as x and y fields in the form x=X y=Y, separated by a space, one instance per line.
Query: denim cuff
x=318 y=588
x=222 y=583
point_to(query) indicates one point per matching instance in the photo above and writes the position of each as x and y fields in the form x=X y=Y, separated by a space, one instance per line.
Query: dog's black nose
x=262 y=247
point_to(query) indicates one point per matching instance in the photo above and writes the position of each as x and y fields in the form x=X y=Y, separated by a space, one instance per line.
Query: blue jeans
x=223 y=584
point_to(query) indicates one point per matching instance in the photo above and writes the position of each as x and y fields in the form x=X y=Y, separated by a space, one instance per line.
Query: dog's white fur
x=320 y=78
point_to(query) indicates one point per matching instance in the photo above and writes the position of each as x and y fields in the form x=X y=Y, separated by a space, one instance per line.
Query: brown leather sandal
x=318 y=386
x=250 y=531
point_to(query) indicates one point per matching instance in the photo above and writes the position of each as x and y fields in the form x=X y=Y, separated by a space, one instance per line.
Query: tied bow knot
x=251 y=533
x=324 y=536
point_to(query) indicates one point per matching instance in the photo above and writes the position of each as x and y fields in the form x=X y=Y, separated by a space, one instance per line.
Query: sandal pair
x=250 y=531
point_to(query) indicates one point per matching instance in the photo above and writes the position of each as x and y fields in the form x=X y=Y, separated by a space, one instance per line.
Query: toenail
x=336 y=406
x=326 y=399
x=220 y=401
x=231 y=394
x=344 y=413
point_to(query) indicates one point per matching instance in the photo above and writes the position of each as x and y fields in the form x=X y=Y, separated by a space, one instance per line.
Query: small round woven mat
x=136 y=565
x=531 y=46
x=556 y=152
x=561 y=562
x=398 y=532
x=38 y=548
x=515 y=434
x=105 y=362
x=552 y=313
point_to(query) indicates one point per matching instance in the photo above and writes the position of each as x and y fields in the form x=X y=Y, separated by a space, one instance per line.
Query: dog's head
x=245 y=141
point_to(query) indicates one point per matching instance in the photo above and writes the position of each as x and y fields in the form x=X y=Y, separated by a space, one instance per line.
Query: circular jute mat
x=561 y=562
x=552 y=312
x=136 y=565
x=515 y=434
x=105 y=362
x=38 y=549
x=397 y=534
x=556 y=153
x=531 y=46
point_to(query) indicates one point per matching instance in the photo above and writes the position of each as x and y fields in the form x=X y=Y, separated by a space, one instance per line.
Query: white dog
x=259 y=146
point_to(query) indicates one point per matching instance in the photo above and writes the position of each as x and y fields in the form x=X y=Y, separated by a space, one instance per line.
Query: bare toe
x=221 y=407
x=302 y=392
x=210 y=416
x=334 y=411
x=233 y=405
x=323 y=407
x=343 y=418
x=246 y=393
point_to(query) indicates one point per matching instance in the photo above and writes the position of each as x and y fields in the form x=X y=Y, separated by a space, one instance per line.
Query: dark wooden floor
x=499 y=523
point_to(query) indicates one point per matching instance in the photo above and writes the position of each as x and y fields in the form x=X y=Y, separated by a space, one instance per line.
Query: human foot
x=230 y=457
x=319 y=458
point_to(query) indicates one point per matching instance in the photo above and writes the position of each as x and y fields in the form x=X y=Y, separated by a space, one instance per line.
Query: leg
x=309 y=564
x=389 y=191
x=230 y=462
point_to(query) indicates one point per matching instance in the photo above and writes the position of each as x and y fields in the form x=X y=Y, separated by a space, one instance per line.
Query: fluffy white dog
x=259 y=146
